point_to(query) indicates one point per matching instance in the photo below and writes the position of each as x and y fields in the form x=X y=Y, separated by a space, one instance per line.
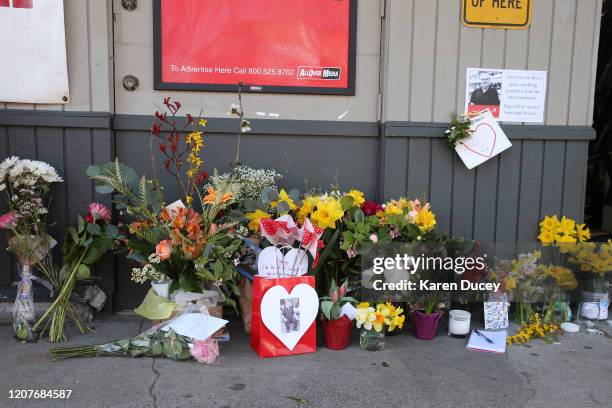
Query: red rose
x=371 y=208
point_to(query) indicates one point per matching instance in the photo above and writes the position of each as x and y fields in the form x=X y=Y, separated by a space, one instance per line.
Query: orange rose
x=164 y=249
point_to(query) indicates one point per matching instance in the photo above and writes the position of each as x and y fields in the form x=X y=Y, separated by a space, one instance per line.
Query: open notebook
x=479 y=343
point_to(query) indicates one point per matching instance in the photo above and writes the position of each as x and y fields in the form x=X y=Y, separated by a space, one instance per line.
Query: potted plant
x=336 y=326
x=426 y=320
x=385 y=317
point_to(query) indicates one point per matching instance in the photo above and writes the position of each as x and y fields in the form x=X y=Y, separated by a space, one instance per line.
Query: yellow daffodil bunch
x=385 y=316
x=536 y=329
x=591 y=257
x=565 y=231
x=323 y=210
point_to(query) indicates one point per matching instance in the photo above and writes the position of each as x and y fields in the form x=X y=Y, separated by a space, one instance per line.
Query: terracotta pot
x=425 y=325
x=337 y=332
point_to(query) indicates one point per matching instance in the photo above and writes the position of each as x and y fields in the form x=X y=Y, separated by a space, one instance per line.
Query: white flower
x=6 y=165
x=154 y=259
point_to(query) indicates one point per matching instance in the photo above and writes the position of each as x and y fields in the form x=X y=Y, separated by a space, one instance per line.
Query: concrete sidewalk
x=408 y=373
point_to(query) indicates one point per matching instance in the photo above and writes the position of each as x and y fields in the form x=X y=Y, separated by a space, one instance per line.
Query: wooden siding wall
x=501 y=200
x=421 y=78
x=429 y=50
x=70 y=151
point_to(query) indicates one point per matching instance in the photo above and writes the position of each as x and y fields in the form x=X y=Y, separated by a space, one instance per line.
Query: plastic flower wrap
x=205 y=351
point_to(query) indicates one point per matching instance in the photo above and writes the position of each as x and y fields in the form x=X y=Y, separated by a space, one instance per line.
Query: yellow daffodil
x=546 y=237
x=255 y=218
x=397 y=322
x=379 y=321
x=567 y=226
x=582 y=232
x=283 y=197
x=365 y=316
x=565 y=238
x=550 y=223
x=358 y=197
x=328 y=212
x=308 y=205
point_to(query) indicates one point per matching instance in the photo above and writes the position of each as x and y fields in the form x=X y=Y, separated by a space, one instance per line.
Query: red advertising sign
x=285 y=46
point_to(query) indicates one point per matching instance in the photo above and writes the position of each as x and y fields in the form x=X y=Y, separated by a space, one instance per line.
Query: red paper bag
x=283 y=304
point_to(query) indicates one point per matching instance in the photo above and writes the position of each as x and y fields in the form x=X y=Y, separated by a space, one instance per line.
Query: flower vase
x=337 y=332
x=23 y=311
x=162 y=287
x=372 y=340
x=595 y=303
x=425 y=325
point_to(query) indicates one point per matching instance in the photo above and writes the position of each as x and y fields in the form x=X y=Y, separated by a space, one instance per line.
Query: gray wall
x=411 y=61
x=70 y=143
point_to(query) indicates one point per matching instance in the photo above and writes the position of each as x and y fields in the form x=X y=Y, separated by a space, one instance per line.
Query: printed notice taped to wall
x=510 y=95
x=33 y=50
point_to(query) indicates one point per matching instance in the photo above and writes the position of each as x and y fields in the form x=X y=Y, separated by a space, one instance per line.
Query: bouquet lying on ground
x=158 y=341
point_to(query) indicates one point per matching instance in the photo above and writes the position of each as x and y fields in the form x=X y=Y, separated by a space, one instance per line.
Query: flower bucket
x=425 y=325
x=337 y=332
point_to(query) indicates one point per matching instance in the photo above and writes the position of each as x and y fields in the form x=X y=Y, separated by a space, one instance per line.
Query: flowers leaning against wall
x=27 y=185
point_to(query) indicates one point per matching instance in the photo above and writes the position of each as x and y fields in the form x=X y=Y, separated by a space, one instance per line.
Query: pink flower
x=374 y=238
x=205 y=351
x=7 y=220
x=335 y=297
x=98 y=212
x=342 y=290
x=164 y=249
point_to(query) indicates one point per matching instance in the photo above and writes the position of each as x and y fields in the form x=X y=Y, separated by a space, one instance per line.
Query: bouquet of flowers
x=27 y=184
x=84 y=246
x=165 y=340
x=195 y=243
x=385 y=317
x=400 y=220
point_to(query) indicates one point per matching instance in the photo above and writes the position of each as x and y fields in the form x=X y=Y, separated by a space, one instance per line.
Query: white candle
x=459 y=322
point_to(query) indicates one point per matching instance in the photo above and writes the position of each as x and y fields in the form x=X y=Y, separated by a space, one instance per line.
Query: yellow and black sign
x=512 y=14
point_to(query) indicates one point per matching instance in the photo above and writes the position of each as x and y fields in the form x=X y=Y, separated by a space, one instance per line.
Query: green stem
x=65 y=291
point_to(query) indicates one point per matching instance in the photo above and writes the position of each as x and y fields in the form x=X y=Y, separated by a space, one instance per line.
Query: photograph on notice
x=485 y=91
x=290 y=315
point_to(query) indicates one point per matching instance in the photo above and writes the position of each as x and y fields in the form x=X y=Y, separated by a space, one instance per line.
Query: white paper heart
x=272 y=263
x=289 y=316
x=295 y=262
